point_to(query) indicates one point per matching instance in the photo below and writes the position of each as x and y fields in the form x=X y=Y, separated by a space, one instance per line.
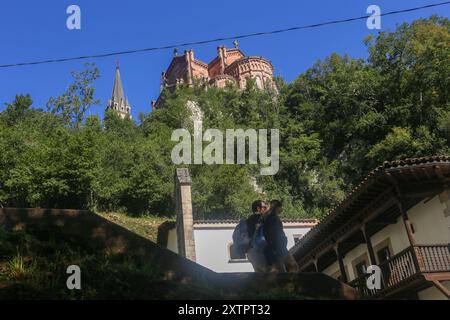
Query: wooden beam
x=414 y=190
x=441 y=288
x=425 y=171
x=414 y=174
x=341 y=263
x=407 y=223
x=439 y=276
x=373 y=261
x=400 y=204
x=371 y=210
x=353 y=242
x=417 y=257
x=441 y=175
x=423 y=194
x=382 y=222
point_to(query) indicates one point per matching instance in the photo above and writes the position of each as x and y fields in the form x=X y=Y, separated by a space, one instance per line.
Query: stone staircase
x=94 y=231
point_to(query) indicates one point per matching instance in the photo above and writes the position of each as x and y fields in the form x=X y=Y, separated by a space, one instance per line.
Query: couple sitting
x=267 y=250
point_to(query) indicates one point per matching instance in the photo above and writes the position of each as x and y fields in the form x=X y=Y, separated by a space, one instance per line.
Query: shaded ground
x=33 y=266
x=37 y=246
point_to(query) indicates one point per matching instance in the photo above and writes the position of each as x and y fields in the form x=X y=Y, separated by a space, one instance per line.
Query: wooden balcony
x=410 y=266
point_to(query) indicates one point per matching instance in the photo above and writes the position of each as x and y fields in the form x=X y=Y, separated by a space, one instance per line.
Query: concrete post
x=185 y=220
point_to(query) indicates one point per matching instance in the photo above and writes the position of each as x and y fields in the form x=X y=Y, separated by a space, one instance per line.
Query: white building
x=213 y=241
x=398 y=219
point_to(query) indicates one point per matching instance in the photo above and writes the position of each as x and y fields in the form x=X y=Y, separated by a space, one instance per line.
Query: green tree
x=79 y=97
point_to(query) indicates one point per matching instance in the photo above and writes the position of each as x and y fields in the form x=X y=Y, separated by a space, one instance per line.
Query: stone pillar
x=185 y=220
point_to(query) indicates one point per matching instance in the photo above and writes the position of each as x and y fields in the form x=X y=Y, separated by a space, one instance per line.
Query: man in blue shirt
x=278 y=257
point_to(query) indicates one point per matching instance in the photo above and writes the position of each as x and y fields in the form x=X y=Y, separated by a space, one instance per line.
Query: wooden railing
x=433 y=258
x=405 y=264
x=360 y=284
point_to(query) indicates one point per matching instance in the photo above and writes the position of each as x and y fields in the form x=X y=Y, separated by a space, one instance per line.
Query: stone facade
x=230 y=66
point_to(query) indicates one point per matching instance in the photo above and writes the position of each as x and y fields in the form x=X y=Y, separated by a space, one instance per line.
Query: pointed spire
x=118 y=94
x=118 y=100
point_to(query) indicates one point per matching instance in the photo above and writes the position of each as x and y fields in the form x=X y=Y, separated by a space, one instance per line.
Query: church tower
x=118 y=101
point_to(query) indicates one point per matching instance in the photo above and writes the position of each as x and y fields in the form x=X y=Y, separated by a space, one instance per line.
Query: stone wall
x=101 y=234
x=95 y=231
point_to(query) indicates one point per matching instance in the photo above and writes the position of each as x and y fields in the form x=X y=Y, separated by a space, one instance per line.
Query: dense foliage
x=338 y=120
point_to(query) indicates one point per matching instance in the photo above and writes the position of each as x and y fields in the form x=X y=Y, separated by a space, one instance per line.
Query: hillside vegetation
x=144 y=225
x=338 y=120
x=33 y=265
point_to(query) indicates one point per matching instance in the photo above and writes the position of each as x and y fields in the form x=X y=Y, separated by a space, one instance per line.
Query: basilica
x=230 y=65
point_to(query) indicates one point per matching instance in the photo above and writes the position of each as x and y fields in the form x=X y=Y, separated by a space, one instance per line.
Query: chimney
x=185 y=219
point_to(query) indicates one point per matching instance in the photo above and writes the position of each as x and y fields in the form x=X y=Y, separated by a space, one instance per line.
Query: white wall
x=211 y=250
x=332 y=269
x=430 y=224
x=212 y=243
x=172 y=240
x=290 y=231
x=399 y=241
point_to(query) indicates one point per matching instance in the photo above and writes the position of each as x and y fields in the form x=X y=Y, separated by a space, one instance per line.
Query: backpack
x=256 y=253
x=241 y=238
x=259 y=241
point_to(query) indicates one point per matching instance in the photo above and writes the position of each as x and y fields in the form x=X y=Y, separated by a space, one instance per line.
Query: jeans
x=258 y=260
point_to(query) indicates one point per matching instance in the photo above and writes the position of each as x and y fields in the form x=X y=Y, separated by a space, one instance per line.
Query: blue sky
x=35 y=30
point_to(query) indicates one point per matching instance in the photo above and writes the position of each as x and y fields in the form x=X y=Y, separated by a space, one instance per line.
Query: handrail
x=407 y=263
x=434 y=257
